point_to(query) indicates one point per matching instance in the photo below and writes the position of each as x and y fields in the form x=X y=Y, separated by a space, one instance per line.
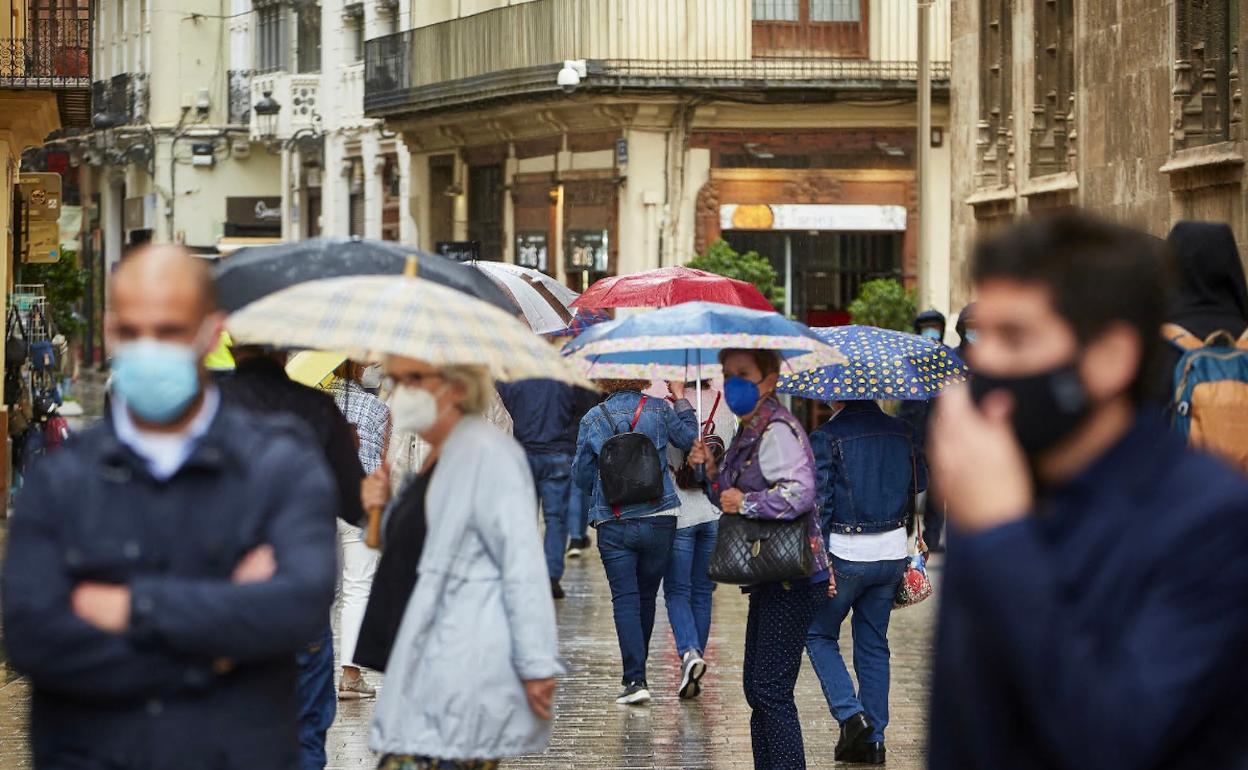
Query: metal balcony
x=680 y=45
x=56 y=58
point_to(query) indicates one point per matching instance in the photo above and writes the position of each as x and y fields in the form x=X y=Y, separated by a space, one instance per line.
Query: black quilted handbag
x=754 y=551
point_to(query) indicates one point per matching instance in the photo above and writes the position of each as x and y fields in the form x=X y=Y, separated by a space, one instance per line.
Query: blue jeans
x=686 y=588
x=552 y=475
x=578 y=513
x=318 y=701
x=635 y=553
x=868 y=588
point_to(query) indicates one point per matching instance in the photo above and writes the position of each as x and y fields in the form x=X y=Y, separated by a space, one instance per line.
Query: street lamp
x=266 y=116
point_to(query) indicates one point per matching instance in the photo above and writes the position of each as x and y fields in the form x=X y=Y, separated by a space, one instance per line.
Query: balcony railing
x=635 y=44
x=59 y=62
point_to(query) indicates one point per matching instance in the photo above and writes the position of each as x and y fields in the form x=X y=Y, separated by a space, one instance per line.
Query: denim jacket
x=865 y=466
x=658 y=420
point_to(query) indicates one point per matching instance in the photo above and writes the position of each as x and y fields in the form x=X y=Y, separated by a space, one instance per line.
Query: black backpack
x=629 y=465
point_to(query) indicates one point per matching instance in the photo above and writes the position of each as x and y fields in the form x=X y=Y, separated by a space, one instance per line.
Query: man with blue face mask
x=156 y=585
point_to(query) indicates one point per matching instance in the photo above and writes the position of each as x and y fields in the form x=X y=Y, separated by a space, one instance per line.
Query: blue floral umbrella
x=883 y=365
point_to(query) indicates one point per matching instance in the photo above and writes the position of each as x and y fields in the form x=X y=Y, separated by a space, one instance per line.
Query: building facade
x=45 y=87
x=596 y=137
x=1133 y=109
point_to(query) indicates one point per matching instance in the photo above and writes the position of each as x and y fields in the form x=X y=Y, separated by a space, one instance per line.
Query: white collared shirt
x=164 y=453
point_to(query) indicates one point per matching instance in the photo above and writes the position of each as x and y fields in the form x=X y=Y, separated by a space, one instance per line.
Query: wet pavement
x=591 y=732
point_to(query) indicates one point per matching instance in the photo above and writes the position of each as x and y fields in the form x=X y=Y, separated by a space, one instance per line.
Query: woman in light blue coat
x=470 y=678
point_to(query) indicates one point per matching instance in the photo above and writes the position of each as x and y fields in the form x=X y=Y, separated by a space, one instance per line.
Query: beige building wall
x=1126 y=165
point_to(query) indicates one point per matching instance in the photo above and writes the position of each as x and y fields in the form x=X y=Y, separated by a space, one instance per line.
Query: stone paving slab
x=591 y=732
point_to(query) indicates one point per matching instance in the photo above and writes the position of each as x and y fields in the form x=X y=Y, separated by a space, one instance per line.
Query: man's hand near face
x=977 y=463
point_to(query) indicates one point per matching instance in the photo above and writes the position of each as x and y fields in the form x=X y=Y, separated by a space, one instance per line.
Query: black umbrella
x=257 y=271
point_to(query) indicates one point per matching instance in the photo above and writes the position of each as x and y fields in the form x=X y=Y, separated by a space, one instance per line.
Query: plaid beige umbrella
x=369 y=316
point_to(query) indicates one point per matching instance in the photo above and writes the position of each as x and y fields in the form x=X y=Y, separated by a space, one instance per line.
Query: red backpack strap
x=637 y=414
x=708 y=427
x=1178 y=336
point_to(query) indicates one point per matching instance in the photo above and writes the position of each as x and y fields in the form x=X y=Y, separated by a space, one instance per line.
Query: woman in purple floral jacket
x=769 y=473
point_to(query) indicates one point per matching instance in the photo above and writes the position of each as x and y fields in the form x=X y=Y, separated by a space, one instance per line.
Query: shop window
x=1053 y=110
x=810 y=28
x=485 y=209
x=994 y=148
x=1206 y=73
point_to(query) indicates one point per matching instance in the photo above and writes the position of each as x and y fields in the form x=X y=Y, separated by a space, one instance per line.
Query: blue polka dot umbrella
x=883 y=365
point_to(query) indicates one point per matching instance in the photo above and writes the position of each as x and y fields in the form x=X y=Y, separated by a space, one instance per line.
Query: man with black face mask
x=1095 y=604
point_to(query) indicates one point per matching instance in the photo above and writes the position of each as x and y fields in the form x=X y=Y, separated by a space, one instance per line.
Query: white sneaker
x=636 y=694
x=692 y=669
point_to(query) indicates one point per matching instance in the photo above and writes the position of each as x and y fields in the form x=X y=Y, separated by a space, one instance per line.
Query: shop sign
x=531 y=249
x=802 y=216
x=42 y=195
x=254 y=211
x=42 y=243
x=587 y=250
x=460 y=251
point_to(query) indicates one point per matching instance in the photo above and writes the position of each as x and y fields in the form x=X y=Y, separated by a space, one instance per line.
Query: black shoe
x=854 y=732
x=866 y=754
x=635 y=694
x=556 y=590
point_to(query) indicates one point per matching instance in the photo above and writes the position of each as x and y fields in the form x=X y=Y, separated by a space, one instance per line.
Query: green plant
x=65 y=284
x=751 y=267
x=885 y=303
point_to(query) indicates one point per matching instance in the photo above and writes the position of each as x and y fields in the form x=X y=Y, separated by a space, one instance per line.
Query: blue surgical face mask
x=971 y=336
x=157 y=380
x=741 y=395
x=931 y=334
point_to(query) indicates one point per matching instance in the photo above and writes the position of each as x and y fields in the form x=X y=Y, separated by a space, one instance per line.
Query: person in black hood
x=931 y=325
x=1209 y=292
x=965 y=328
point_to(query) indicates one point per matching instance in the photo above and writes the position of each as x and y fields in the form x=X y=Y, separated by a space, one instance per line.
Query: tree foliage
x=751 y=267
x=884 y=303
x=65 y=284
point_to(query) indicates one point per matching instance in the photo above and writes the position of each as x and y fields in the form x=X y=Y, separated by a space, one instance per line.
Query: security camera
x=571 y=75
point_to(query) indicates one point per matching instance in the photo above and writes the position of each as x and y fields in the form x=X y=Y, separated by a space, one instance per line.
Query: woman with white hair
x=470 y=650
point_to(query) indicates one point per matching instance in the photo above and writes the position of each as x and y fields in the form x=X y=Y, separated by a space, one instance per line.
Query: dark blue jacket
x=1108 y=629
x=658 y=420
x=149 y=698
x=865 y=466
x=543 y=414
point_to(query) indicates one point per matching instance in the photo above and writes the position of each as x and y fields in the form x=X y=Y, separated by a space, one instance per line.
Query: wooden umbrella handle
x=373 y=538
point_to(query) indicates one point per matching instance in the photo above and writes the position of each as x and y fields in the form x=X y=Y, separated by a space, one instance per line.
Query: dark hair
x=768 y=361
x=1097 y=274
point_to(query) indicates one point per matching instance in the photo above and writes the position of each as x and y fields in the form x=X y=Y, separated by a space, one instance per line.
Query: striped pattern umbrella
x=367 y=317
x=884 y=365
x=544 y=310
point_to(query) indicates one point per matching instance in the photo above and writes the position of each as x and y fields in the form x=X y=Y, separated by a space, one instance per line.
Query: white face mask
x=371 y=378
x=414 y=409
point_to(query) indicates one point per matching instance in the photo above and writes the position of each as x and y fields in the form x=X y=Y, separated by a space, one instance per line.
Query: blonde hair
x=611 y=386
x=474 y=382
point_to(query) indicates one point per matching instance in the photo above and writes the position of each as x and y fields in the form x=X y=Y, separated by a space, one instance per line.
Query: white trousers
x=359 y=564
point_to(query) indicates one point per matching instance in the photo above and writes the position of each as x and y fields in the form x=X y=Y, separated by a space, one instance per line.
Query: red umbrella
x=671 y=286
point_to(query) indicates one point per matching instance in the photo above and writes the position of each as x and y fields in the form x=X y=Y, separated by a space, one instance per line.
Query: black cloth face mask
x=1048 y=406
